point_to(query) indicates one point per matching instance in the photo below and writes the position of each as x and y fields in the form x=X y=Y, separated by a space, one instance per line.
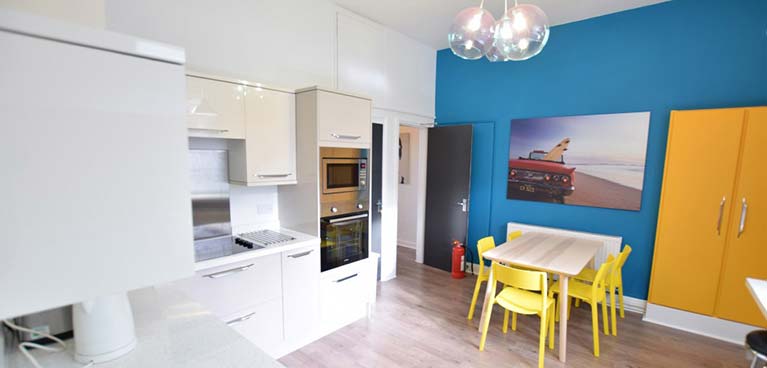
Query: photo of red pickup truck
x=542 y=174
x=582 y=160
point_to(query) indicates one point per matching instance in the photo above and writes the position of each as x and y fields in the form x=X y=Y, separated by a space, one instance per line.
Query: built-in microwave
x=342 y=175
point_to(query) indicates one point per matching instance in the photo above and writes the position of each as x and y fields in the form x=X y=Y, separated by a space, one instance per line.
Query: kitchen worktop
x=301 y=240
x=172 y=331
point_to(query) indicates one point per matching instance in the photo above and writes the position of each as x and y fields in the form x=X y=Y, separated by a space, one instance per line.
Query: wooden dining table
x=562 y=255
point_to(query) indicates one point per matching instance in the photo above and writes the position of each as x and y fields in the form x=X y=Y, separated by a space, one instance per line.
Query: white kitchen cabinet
x=347 y=293
x=267 y=156
x=215 y=109
x=343 y=120
x=301 y=294
x=261 y=324
x=225 y=290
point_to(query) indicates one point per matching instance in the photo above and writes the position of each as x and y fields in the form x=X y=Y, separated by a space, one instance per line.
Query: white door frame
x=391 y=121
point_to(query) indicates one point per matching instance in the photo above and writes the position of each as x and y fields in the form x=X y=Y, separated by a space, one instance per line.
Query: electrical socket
x=42 y=329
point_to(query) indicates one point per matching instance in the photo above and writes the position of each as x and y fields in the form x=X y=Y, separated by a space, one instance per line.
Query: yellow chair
x=592 y=294
x=513 y=235
x=483 y=245
x=526 y=293
x=588 y=275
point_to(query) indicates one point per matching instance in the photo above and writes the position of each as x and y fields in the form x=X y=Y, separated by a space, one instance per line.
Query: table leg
x=563 y=317
x=489 y=289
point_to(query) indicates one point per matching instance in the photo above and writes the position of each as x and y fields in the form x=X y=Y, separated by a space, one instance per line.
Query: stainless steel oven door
x=341 y=175
x=343 y=240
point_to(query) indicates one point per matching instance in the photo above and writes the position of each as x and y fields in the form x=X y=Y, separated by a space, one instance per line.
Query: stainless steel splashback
x=210 y=193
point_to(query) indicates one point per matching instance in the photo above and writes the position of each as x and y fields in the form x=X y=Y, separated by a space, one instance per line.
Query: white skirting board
x=406 y=243
x=716 y=328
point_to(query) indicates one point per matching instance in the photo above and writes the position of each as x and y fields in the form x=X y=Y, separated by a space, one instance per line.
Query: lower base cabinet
x=262 y=325
x=347 y=293
x=282 y=302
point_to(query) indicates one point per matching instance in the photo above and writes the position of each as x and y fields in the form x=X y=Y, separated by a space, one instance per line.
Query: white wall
x=85 y=12
x=397 y=72
x=287 y=44
x=408 y=195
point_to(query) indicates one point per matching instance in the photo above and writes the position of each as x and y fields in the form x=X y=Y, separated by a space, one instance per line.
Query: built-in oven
x=344 y=199
x=344 y=239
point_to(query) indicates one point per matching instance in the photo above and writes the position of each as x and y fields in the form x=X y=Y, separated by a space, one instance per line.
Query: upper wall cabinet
x=341 y=119
x=215 y=109
x=267 y=156
x=397 y=72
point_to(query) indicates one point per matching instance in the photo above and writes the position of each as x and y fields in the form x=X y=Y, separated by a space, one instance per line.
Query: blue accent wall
x=682 y=54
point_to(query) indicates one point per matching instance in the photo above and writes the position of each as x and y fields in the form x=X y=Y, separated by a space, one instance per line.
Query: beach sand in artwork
x=595 y=192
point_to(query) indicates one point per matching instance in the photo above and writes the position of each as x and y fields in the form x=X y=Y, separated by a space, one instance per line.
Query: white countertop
x=758 y=289
x=172 y=331
x=301 y=241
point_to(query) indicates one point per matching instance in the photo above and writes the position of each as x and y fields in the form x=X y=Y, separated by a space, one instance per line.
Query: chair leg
x=514 y=321
x=595 y=328
x=612 y=315
x=620 y=297
x=487 y=325
x=551 y=329
x=606 y=327
x=506 y=321
x=474 y=299
x=542 y=339
x=557 y=306
x=755 y=362
x=577 y=303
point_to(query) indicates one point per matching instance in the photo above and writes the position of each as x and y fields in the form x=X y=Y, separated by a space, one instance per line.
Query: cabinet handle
x=721 y=213
x=220 y=131
x=273 y=175
x=743 y=212
x=240 y=319
x=341 y=136
x=228 y=272
x=302 y=254
x=346 y=278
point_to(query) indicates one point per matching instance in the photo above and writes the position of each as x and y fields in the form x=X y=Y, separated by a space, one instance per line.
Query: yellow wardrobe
x=712 y=224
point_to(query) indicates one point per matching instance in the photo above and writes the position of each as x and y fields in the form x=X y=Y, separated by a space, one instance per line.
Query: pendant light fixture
x=471 y=35
x=520 y=34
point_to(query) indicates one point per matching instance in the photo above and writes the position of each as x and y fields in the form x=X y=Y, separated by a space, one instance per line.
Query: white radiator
x=610 y=244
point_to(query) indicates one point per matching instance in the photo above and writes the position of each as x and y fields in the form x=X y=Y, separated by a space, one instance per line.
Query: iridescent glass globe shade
x=529 y=31
x=471 y=33
x=502 y=38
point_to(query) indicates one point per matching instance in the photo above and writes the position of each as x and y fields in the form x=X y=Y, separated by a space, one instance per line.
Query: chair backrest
x=522 y=279
x=604 y=275
x=623 y=256
x=513 y=235
x=483 y=245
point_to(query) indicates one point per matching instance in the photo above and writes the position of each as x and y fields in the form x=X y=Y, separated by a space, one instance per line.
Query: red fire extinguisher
x=459 y=254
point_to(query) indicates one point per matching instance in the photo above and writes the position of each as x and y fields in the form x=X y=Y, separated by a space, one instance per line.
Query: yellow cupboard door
x=746 y=253
x=701 y=161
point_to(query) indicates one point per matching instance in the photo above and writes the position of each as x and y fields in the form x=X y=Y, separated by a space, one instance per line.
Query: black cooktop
x=222 y=246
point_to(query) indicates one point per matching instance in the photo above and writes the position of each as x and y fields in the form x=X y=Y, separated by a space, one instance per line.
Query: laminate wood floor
x=420 y=321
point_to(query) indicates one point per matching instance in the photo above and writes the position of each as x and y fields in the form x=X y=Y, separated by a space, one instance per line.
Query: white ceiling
x=429 y=21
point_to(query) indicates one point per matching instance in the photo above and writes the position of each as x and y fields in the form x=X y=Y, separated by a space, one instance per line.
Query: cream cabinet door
x=270 y=136
x=215 y=109
x=301 y=294
x=343 y=120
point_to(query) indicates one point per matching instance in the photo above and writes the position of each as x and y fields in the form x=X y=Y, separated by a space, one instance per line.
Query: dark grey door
x=448 y=176
x=375 y=192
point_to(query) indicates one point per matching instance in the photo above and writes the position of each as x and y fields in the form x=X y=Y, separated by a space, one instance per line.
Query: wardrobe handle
x=721 y=213
x=743 y=212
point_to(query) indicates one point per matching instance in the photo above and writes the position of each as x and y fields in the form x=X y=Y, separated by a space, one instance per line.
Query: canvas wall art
x=587 y=160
